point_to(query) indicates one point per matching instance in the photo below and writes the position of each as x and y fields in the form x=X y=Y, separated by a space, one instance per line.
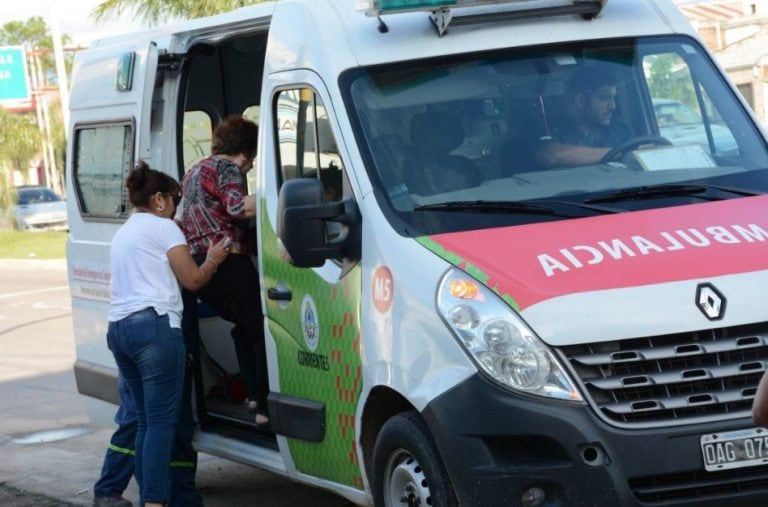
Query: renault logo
x=710 y=301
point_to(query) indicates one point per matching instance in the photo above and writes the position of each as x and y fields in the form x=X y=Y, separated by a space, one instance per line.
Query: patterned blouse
x=213 y=205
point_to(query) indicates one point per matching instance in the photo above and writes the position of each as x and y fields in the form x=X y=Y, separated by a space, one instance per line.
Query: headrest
x=437 y=131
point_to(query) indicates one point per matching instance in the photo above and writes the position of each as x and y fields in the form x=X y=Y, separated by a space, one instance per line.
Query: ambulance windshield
x=485 y=140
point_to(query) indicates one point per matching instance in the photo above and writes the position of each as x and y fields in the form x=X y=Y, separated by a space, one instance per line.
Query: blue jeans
x=118 y=467
x=150 y=356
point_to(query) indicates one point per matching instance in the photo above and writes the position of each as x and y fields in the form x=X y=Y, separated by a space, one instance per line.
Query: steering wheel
x=618 y=152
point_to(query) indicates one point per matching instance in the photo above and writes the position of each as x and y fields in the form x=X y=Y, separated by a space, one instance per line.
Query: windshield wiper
x=487 y=207
x=515 y=207
x=670 y=190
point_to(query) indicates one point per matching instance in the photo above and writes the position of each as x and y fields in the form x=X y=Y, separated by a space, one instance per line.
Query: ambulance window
x=103 y=157
x=685 y=113
x=196 y=137
x=307 y=147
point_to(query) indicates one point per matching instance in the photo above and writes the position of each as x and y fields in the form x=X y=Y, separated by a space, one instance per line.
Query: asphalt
x=12 y=497
x=52 y=439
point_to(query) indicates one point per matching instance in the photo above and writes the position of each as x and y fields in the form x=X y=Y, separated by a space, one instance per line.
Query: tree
x=20 y=136
x=670 y=77
x=19 y=143
x=157 y=11
x=34 y=35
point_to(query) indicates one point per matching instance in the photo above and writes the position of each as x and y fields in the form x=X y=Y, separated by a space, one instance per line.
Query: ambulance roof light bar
x=470 y=12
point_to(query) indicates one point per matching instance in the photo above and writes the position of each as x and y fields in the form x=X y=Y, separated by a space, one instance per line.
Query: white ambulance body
x=449 y=320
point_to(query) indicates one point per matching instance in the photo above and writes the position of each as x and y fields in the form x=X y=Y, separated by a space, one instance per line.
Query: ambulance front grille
x=673 y=379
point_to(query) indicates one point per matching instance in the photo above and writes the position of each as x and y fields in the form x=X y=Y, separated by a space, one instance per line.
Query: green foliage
x=33 y=34
x=20 y=137
x=32 y=245
x=159 y=11
x=670 y=78
x=59 y=140
x=7 y=194
x=19 y=140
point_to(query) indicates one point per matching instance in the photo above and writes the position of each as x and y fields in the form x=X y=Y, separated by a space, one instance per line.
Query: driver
x=588 y=129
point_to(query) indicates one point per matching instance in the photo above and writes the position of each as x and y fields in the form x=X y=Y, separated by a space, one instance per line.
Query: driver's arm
x=554 y=154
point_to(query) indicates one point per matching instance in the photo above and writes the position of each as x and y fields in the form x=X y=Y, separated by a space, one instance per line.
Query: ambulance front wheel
x=407 y=469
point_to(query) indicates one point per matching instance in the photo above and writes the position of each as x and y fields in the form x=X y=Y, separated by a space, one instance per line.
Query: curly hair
x=591 y=77
x=143 y=182
x=235 y=135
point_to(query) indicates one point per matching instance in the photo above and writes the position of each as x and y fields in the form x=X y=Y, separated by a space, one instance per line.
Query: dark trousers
x=118 y=466
x=234 y=294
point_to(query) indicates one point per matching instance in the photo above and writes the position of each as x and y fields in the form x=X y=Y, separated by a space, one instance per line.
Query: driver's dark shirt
x=599 y=137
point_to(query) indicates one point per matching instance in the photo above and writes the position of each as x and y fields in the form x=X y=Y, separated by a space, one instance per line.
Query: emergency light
x=464 y=12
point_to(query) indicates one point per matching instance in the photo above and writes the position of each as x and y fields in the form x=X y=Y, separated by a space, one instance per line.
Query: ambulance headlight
x=502 y=345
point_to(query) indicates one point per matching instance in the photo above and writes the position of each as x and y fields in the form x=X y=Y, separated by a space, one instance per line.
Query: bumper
x=496 y=445
x=44 y=225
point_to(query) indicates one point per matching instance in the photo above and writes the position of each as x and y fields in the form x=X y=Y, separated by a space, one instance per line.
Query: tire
x=407 y=468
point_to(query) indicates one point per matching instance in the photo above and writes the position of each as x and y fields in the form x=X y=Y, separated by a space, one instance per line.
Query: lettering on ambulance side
x=577 y=256
x=548 y=260
x=382 y=296
x=310 y=328
x=382 y=288
x=90 y=281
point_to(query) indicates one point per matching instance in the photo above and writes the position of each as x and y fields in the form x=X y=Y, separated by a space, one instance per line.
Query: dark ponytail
x=143 y=182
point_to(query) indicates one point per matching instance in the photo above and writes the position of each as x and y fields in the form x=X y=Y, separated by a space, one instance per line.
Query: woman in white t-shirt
x=148 y=259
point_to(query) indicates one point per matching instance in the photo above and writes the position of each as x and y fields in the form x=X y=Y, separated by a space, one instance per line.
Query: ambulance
x=448 y=319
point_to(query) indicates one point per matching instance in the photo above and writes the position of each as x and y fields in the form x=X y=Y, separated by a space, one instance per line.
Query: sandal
x=251 y=406
x=261 y=420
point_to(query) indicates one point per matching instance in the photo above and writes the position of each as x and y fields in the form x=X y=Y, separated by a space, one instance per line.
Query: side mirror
x=302 y=225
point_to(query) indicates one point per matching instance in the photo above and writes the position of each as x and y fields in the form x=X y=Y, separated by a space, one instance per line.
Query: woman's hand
x=192 y=276
x=218 y=252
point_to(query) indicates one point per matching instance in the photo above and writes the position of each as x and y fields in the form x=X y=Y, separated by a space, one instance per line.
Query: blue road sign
x=14 y=80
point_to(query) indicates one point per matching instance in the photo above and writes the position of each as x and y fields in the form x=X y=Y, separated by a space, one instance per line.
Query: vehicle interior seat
x=434 y=136
x=527 y=123
x=390 y=158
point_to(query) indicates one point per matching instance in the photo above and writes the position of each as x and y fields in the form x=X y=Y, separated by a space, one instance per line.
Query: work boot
x=111 y=501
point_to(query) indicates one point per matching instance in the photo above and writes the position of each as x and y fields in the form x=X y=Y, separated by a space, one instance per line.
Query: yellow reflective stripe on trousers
x=177 y=464
x=121 y=450
x=182 y=464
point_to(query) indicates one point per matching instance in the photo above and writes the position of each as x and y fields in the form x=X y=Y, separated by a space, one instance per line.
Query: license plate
x=734 y=449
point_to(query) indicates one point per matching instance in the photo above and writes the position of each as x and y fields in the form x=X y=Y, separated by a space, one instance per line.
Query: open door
x=313 y=314
x=110 y=104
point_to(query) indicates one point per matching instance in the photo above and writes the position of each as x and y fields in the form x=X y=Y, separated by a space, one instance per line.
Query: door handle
x=279 y=294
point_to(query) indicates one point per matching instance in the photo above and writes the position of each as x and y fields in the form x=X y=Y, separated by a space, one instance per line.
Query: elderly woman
x=216 y=205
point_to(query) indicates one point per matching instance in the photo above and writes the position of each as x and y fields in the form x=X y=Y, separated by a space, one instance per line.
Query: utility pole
x=44 y=123
x=61 y=73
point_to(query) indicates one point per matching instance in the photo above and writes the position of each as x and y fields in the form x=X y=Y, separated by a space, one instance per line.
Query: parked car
x=680 y=124
x=39 y=208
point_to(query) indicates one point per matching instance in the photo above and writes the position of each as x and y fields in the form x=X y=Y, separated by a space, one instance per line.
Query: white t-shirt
x=141 y=273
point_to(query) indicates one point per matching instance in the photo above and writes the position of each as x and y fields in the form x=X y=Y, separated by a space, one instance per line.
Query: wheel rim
x=405 y=482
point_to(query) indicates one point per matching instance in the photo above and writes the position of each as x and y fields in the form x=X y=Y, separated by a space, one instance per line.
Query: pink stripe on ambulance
x=536 y=262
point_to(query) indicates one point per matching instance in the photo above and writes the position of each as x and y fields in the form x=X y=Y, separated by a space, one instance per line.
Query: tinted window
x=455 y=143
x=307 y=145
x=103 y=157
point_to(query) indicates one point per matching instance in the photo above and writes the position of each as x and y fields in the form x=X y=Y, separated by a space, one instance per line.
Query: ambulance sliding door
x=110 y=108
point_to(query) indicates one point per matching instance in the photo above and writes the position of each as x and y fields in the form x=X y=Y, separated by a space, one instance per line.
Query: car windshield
x=488 y=139
x=36 y=196
x=673 y=113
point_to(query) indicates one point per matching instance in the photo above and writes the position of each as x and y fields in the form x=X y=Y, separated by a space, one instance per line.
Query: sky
x=73 y=15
